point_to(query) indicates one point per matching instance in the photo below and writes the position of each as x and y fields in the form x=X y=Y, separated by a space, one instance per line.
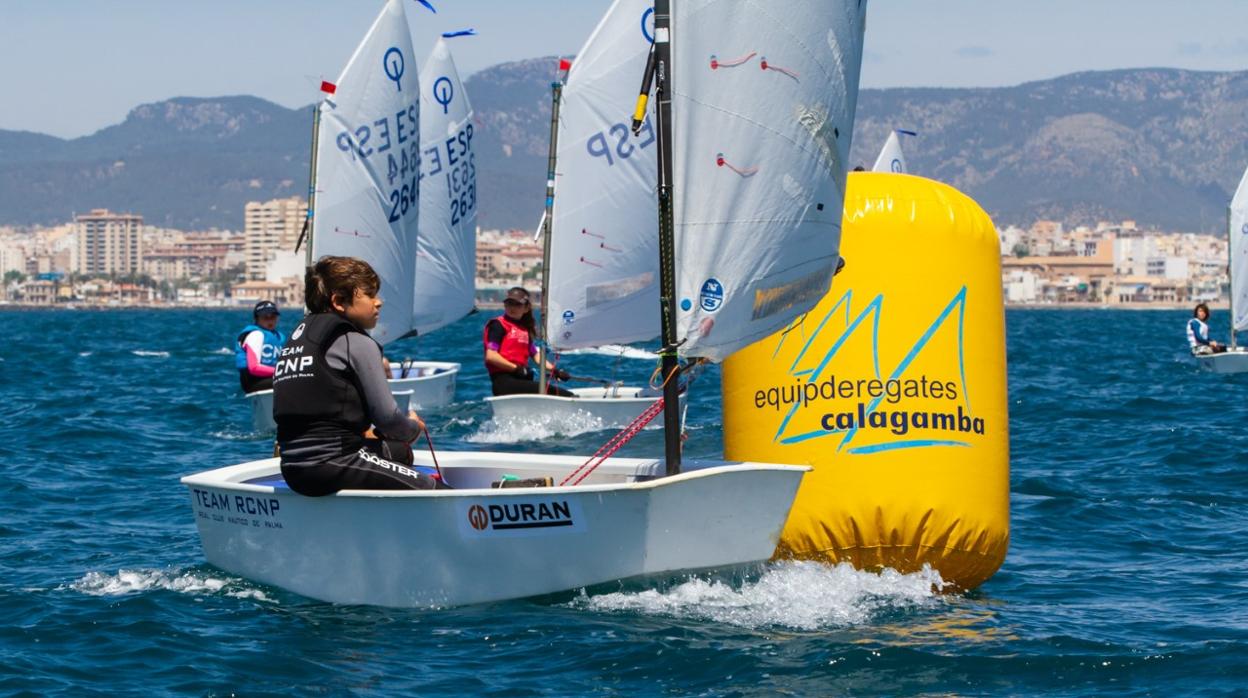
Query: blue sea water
x=1127 y=573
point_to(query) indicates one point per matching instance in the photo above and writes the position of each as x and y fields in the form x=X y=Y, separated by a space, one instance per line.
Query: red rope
x=615 y=443
x=429 y=440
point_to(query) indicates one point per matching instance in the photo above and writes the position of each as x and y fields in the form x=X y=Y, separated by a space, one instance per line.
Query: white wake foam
x=506 y=430
x=134 y=581
x=798 y=595
x=144 y=352
x=616 y=350
x=85 y=353
x=224 y=351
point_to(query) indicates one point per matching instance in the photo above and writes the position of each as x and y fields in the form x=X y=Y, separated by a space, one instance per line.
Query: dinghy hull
x=475 y=544
x=1227 y=362
x=432 y=383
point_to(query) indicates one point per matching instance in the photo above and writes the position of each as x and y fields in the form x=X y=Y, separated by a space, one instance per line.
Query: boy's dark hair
x=337 y=277
x=1199 y=307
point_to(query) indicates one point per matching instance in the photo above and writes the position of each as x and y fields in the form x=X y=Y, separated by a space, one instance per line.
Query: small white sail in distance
x=1237 y=238
x=367 y=166
x=446 y=246
x=603 y=279
x=891 y=158
x=763 y=113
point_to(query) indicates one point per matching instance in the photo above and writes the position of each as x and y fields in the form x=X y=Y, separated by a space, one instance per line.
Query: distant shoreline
x=1110 y=306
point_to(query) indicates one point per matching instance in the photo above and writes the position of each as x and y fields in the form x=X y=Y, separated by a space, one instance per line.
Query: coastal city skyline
x=1112 y=263
x=908 y=44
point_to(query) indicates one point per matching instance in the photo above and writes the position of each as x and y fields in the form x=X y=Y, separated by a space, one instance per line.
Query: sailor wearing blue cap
x=257 y=347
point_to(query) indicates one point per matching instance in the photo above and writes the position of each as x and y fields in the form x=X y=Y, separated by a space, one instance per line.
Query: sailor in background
x=256 y=348
x=1198 y=333
x=509 y=346
x=330 y=386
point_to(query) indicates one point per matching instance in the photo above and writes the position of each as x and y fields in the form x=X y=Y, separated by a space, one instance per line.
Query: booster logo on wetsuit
x=523 y=516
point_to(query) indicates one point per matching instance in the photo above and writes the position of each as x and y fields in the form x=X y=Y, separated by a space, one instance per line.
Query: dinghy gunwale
x=1232 y=361
x=233 y=477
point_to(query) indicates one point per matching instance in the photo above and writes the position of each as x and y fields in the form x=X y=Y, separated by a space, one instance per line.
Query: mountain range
x=1164 y=147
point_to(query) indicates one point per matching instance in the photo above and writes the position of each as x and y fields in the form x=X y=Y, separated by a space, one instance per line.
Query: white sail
x=603 y=281
x=891 y=158
x=765 y=93
x=367 y=172
x=446 y=247
x=1237 y=237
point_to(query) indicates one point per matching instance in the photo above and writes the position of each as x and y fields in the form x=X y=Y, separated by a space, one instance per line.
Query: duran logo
x=1244 y=229
x=522 y=516
x=569 y=317
x=298 y=331
x=712 y=295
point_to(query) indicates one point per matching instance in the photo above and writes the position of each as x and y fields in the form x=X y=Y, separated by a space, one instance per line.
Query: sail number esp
x=460 y=172
x=396 y=138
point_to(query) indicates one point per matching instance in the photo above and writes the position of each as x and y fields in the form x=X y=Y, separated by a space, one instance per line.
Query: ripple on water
x=796 y=595
x=125 y=582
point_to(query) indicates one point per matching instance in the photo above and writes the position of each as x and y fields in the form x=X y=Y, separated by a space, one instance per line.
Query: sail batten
x=763 y=113
x=1237 y=239
x=603 y=275
x=367 y=166
x=446 y=245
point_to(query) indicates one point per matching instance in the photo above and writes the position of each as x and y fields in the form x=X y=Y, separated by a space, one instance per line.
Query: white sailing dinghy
x=371 y=182
x=1235 y=358
x=600 y=233
x=621 y=518
x=891 y=159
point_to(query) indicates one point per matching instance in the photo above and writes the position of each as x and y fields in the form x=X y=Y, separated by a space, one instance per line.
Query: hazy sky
x=72 y=67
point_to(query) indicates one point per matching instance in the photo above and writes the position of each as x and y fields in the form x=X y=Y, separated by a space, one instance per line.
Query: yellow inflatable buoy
x=893 y=388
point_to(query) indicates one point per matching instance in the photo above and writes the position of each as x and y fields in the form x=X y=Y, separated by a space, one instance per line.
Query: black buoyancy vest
x=309 y=397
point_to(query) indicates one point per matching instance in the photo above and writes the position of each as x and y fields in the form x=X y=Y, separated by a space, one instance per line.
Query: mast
x=658 y=69
x=556 y=91
x=306 y=235
x=1230 y=272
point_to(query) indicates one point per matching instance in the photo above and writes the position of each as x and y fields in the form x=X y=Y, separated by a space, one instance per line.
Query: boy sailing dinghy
x=613 y=518
x=600 y=264
x=1235 y=358
x=365 y=182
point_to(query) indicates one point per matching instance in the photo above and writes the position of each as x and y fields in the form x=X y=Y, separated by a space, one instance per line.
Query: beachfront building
x=40 y=292
x=284 y=294
x=108 y=243
x=267 y=227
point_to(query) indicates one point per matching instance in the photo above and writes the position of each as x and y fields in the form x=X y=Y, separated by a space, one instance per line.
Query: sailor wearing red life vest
x=509 y=346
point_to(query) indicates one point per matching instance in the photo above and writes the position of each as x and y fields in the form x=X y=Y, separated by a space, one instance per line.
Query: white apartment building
x=267 y=227
x=109 y=243
x=12 y=256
